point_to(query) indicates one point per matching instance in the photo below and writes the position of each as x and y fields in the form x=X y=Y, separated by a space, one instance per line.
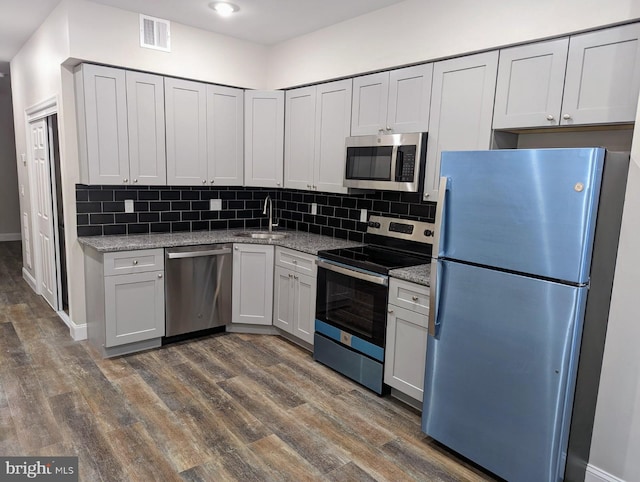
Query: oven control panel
x=402 y=229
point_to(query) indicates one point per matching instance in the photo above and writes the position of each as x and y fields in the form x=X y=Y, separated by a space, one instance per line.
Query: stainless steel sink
x=260 y=235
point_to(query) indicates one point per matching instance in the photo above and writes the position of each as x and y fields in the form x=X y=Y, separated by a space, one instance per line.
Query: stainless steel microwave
x=393 y=162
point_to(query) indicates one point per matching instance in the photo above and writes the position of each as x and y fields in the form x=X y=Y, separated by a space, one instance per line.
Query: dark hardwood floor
x=225 y=407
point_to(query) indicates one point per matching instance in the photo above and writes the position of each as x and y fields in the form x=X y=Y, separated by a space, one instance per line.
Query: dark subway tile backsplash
x=163 y=209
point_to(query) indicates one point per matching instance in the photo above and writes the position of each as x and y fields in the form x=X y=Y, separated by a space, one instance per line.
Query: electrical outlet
x=363 y=215
x=314 y=208
x=215 y=204
x=128 y=205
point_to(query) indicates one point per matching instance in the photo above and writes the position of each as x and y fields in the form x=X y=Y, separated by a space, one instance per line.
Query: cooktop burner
x=395 y=243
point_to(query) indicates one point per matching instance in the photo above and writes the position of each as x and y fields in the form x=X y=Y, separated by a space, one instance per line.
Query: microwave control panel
x=406 y=164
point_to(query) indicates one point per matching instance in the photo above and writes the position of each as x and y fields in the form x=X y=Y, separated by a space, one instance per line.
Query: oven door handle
x=372 y=278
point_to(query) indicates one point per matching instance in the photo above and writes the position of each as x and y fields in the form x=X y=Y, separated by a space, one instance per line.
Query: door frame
x=35 y=113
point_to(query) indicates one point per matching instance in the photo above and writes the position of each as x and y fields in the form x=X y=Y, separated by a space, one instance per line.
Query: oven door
x=352 y=300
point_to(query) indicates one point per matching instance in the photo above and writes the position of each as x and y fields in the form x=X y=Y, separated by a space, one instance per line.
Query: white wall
x=35 y=77
x=109 y=35
x=418 y=30
x=616 y=435
x=9 y=204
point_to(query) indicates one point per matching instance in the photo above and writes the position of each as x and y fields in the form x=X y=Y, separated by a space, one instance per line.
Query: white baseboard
x=10 y=237
x=31 y=281
x=594 y=474
x=78 y=332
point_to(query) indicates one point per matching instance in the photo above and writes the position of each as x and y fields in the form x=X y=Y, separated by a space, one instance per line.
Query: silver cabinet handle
x=237 y=249
x=389 y=311
x=197 y=254
x=550 y=117
x=213 y=181
x=159 y=275
x=414 y=298
x=204 y=181
x=388 y=128
x=277 y=183
x=295 y=277
x=566 y=116
x=135 y=261
x=290 y=275
x=125 y=180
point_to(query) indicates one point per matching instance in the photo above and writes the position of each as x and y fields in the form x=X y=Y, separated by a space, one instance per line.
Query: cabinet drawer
x=125 y=262
x=408 y=295
x=297 y=261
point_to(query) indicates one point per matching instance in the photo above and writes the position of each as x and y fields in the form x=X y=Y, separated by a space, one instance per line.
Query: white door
x=46 y=275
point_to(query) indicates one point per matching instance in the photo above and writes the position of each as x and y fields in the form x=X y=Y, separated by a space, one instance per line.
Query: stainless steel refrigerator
x=524 y=256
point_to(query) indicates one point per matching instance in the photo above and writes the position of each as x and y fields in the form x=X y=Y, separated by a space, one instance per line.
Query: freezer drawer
x=500 y=374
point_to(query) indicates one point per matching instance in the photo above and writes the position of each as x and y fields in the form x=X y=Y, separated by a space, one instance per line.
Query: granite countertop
x=300 y=241
x=416 y=274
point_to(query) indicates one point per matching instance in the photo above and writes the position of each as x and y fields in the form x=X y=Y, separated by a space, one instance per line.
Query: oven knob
x=428 y=232
x=374 y=224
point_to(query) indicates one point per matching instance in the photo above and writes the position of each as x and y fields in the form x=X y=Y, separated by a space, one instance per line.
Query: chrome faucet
x=267 y=200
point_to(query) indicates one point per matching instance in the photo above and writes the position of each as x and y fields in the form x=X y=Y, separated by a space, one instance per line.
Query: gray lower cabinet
x=125 y=300
x=591 y=78
x=295 y=293
x=252 y=286
x=406 y=340
x=461 y=110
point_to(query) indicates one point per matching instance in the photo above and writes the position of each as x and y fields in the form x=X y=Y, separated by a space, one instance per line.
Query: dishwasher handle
x=198 y=254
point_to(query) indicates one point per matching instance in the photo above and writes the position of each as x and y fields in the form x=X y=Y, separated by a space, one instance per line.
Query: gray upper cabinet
x=592 y=78
x=263 y=138
x=145 y=114
x=101 y=103
x=530 y=84
x=333 y=125
x=186 y=117
x=603 y=76
x=299 y=138
x=461 y=110
x=370 y=98
x=225 y=135
x=392 y=102
x=318 y=120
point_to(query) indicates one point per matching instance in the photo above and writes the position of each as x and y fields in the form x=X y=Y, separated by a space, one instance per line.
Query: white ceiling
x=263 y=21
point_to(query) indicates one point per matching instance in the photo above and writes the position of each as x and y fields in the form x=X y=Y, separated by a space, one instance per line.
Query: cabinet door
x=409 y=99
x=134 y=307
x=461 y=110
x=405 y=351
x=369 y=108
x=304 y=307
x=145 y=114
x=252 y=294
x=102 y=123
x=186 y=113
x=263 y=139
x=284 y=290
x=299 y=138
x=603 y=76
x=333 y=126
x=529 y=86
x=225 y=135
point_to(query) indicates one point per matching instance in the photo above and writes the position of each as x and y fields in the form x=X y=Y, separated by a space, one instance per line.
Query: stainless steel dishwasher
x=198 y=288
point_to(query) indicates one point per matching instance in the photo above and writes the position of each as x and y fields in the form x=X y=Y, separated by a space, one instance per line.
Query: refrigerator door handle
x=437 y=232
x=433 y=299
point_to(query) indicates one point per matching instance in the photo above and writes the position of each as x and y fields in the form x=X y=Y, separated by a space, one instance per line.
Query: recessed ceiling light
x=224 y=9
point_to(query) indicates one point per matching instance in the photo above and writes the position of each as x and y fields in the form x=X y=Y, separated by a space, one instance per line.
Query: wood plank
x=78 y=424
x=283 y=462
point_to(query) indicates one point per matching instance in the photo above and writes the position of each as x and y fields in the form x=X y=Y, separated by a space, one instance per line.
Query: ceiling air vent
x=155 y=33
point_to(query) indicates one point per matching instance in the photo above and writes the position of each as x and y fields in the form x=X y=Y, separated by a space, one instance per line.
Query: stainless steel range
x=353 y=289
